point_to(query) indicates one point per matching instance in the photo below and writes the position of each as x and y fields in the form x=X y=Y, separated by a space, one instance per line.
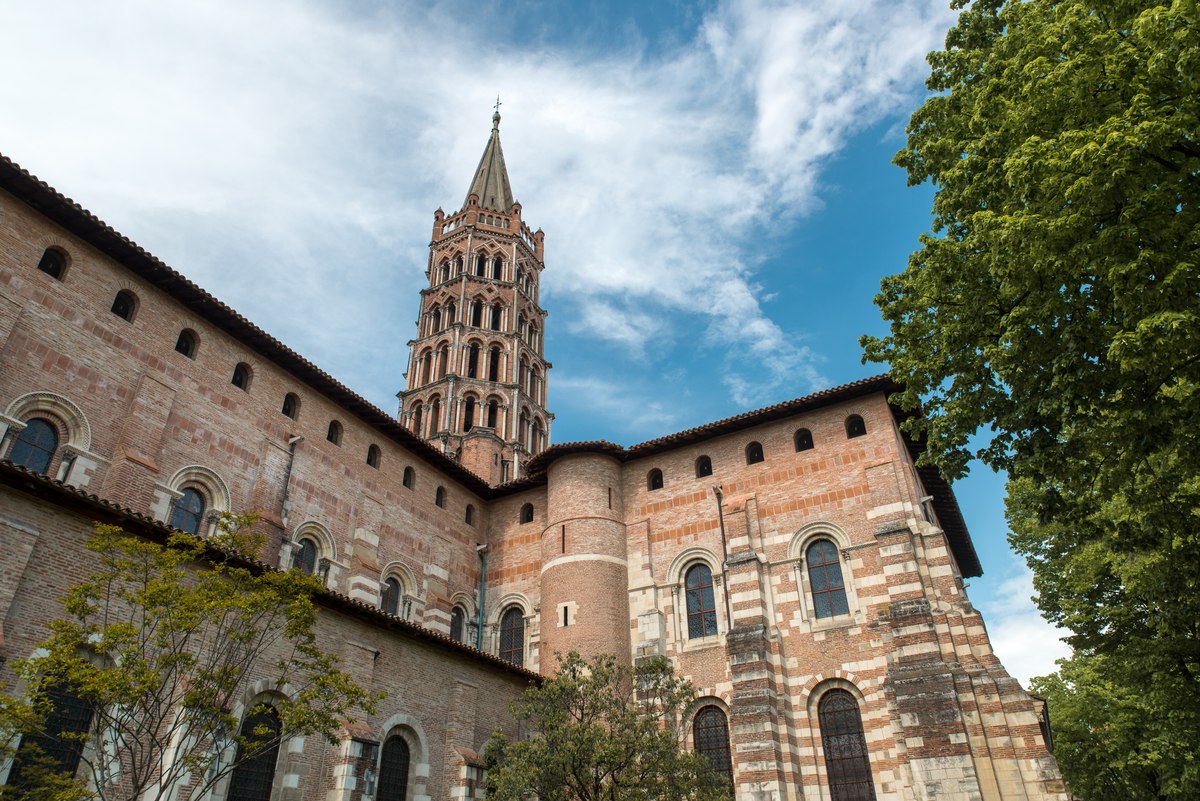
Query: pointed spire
x=491 y=177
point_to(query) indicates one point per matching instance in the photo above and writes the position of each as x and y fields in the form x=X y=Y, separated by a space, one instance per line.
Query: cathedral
x=794 y=562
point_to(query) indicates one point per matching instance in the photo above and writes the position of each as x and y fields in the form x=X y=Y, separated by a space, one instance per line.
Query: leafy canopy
x=603 y=732
x=162 y=642
x=1056 y=307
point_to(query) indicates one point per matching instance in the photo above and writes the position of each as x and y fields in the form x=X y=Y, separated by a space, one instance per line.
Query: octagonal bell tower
x=476 y=381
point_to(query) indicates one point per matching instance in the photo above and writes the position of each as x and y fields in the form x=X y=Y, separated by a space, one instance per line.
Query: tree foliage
x=162 y=643
x=602 y=732
x=1056 y=307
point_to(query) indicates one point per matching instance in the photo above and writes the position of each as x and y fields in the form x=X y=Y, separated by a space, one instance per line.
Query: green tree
x=603 y=732
x=1055 y=307
x=160 y=644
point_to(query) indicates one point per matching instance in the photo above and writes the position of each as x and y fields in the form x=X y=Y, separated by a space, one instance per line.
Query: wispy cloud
x=1026 y=643
x=288 y=157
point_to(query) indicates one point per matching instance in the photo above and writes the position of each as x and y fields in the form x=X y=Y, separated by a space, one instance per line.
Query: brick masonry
x=599 y=566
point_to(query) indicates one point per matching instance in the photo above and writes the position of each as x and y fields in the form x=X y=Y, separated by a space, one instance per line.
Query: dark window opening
x=291 y=406
x=469 y=515
x=527 y=513
x=435 y=415
x=186 y=344
x=703 y=467
x=257 y=754
x=497 y=268
x=855 y=427
x=845 y=747
x=804 y=440
x=497 y=311
x=334 y=434
x=493 y=413
x=304 y=558
x=53 y=264
x=439 y=497
x=124 y=304
x=469 y=415
x=825 y=580
x=477 y=314
x=494 y=364
x=710 y=733
x=188 y=511
x=389 y=596
x=410 y=477
x=241 y=377
x=512 y=636
x=35 y=446
x=373 y=456
x=473 y=361
x=701 y=603
x=754 y=453
x=654 y=479
x=457 y=624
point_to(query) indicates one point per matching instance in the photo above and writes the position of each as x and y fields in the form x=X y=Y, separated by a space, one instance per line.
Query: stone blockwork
x=591 y=549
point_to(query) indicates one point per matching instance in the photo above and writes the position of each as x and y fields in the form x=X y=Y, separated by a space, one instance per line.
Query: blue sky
x=714 y=181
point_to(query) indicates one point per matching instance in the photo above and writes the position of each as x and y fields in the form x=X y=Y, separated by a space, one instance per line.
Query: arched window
x=304 y=558
x=527 y=513
x=855 y=427
x=410 y=477
x=803 y=440
x=241 y=376
x=124 y=305
x=291 y=405
x=35 y=446
x=451 y=314
x=701 y=604
x=477 y=313
x=188 y=511
x=473 y=361
x=443 y=360
x=435 y=320
x=845 y=748
x=186 y=344
x=435 y=415
x=426 y=367
x=654 y=479
x=703 y=467
x=469 y=414
x=469 y=515
x=493 y=413
x=254 y=775
x=373 y=456
x=53 y=263
x=334 y=434
x=754 y=453
x=389 y=596
x=481 y=264
x=416 y=418
x=512 y=636
x=458 y=624
x=539 y=436
x=394 y=760
x=710 y=733
x=497 y=268
x=497 y=313
x=439 y=497
x=69 y=714
x=494 y=364
x=825 y=579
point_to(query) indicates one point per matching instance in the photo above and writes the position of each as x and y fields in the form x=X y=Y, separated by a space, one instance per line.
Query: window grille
x=845 y=748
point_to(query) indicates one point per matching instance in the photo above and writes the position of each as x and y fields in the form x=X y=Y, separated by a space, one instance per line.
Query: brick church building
x=793 y=562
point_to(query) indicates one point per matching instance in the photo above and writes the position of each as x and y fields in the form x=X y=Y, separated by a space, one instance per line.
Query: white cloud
x=1026 y=643
x=288 y=155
